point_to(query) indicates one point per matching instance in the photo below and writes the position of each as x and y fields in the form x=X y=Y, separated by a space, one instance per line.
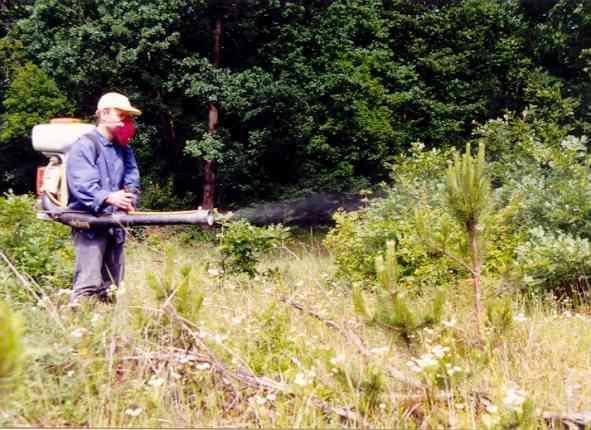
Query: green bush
x=160 y=196
x=356 y=240
x=273 y=350
x=10 y=346
x=359 y=237
x=554 y=262
x=40 y=249
x=242 y=244
x=543 y=170
x=540 y=179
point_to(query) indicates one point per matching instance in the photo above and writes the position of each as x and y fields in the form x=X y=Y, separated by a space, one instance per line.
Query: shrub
x=554 y=261
x=356 y=240
x=273 y=350
x=359 y=237
x=546 y=173
x=160 y=196
x=40 y=249
x=10 y=346
x=242 y=244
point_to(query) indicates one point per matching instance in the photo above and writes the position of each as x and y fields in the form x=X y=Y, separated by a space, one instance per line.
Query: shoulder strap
x=97 y=144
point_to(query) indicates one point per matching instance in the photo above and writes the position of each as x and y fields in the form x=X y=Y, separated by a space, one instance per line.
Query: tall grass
x=134 y=363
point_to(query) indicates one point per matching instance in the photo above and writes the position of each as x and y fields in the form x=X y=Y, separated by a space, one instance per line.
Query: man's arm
x=131 y=173
x=83 y=176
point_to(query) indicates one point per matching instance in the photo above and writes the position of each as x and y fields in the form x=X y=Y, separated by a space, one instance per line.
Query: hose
x=85 y=220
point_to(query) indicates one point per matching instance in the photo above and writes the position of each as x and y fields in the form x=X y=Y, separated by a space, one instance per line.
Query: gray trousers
x=99 y=261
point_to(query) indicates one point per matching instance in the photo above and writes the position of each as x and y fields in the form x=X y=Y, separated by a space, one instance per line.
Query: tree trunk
x=209 y=167
x=476 y=269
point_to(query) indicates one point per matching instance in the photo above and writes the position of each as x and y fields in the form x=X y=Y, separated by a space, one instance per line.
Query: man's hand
x=121 y=199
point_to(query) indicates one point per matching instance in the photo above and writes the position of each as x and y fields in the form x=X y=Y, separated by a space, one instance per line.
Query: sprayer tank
x=56 y=138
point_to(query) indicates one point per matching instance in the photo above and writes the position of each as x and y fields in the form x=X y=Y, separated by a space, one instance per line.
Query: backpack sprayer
x=54 y=140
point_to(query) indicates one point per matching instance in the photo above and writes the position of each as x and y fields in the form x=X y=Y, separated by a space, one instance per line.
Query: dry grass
x=98 y=370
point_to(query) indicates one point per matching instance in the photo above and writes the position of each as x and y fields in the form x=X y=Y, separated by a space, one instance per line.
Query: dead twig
x=248 y=378
x=354 y=339
x=28 y=284
x=573 y=421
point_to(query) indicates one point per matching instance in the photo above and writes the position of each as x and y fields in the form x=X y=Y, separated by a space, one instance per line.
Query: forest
x=456 y=294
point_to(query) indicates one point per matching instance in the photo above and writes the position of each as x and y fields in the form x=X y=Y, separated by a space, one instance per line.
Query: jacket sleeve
x=131 y=173
x=83 y=176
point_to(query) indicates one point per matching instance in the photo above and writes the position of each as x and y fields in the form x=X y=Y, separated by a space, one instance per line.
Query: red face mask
x=123 y=134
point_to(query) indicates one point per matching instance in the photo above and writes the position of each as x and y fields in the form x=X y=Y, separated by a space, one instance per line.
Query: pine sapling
x=469 y=200
x=392 y=310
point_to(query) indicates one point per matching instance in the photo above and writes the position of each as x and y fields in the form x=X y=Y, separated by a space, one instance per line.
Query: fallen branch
x=28 y=284
x=354 y=339
x=568 y=421
x=248 y=378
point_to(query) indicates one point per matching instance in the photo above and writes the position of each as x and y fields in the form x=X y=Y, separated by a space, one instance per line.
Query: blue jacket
x=92 y=176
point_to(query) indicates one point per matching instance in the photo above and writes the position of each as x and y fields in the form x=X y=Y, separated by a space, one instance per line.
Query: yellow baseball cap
x=118 y=101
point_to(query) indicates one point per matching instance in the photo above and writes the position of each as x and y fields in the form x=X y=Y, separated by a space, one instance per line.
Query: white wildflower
x=260 y=400
x=300 y=379
x=520 y=318
x=379 y=351
x=338 y=359
x=78 y=333
x=492 y=409
x=237 y=320
x=203 y=366
x=452 y=370
x=449 y=323
x=218 y=338
x=514 y=397
x=271 y=397
x=133 y=411
x=95 y=318
x=439 y=351
x=155 y=381
x=299 y=284
x=214 y=272
x=426 y=360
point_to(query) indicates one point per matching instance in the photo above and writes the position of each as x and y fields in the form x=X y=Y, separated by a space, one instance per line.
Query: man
x=103 y=177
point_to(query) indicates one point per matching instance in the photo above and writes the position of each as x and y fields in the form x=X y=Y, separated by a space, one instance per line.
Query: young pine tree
x=392 y=310
x=469 y=200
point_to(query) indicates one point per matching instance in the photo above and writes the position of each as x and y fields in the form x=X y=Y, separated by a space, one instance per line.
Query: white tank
x=56 y=138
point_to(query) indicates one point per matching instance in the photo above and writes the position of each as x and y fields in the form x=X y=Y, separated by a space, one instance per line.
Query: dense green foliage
x=536 y=238
x=241 y=245
x=315 y=95
x=10 y=346
x=39 y=249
